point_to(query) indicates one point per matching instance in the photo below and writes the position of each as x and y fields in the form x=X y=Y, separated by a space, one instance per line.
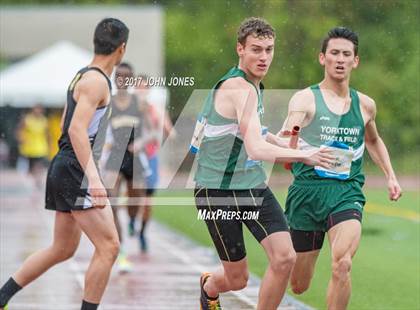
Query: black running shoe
x=205 y=302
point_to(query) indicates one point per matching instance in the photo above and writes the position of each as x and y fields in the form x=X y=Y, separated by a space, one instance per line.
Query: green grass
x=386 y=269
x=407 y=164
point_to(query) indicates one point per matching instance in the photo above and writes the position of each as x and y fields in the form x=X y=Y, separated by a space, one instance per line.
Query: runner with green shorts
x=339 y=118
x=230 y=177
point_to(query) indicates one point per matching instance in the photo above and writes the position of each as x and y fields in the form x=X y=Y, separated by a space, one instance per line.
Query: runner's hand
x=319 y=157
x=394 y=189
x=98 y=194
x=172 y=134
x=130 y=148
x=135 y=147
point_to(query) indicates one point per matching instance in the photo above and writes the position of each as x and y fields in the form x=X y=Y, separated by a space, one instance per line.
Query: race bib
x=344 y=157
x=198 y=134
x=251 y=162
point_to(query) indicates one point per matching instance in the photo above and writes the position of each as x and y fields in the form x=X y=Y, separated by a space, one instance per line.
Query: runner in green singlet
x=331 y=200
x=230 y=176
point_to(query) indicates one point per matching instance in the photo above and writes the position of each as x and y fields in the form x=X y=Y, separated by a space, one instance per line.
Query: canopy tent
x=43 y=77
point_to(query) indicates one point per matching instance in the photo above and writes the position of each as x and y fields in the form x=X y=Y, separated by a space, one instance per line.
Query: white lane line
x=200 y=268
x=288 y=302
x=43 y=306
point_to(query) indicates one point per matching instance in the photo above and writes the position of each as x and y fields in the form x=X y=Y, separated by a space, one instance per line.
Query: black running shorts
x=226 y=229
x=131 y=167
x=66 y=188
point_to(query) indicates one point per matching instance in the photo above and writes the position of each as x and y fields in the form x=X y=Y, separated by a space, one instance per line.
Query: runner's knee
x=341 y=268
x=63 y=253
x=109 y=249
x=283 y=262
x=299 y=286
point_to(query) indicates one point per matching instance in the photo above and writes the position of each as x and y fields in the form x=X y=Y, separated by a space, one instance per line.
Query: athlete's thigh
x=227 y=234
x=66 y=231
x=344 y=238
x=270 y=217
x=277 y=244
x=228 y=238
x=97 y=224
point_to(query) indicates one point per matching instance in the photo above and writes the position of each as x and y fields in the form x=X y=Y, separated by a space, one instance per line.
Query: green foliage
x=201 y=40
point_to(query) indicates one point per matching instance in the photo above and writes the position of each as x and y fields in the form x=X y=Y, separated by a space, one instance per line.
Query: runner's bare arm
x=168 y=127
x=300 y=111
x=150 y=133
x=377 y=148
x=250 y=128
x=276 y=140
x=296 y=103
x=90 y=92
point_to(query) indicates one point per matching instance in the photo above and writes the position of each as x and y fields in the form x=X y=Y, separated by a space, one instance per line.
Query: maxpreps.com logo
x=324 y=118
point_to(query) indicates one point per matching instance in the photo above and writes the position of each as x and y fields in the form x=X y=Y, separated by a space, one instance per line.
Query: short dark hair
x=126 y=65
x=256 y=26
x=344 y=33
x=110 y=33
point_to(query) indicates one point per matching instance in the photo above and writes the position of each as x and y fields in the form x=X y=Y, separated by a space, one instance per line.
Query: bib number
x=198 y=135
x=342 y=167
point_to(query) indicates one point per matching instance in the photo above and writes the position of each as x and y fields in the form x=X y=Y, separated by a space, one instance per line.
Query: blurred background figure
x=126 y=160
x=54 y=130
x=4 y=154
x=158 y=124
x=33 y=144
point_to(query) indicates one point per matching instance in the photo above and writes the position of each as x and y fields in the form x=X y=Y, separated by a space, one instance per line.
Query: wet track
x=166 y=277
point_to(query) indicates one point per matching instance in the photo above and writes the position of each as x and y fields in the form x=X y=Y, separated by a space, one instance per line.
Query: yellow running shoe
x=123 y=264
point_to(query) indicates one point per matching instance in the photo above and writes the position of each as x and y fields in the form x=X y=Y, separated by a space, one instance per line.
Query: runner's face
x=38 y=110
x=339 y=59
x=121 y=77
x=256 y=55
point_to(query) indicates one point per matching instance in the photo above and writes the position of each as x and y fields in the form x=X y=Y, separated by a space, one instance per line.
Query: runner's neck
x=104 y=63
x=254 y=80
x=341 y=89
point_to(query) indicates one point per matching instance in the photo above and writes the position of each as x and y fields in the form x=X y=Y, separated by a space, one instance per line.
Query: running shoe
x=143 y=242
x=123 y=264
x=205 y=302
x=131 y=227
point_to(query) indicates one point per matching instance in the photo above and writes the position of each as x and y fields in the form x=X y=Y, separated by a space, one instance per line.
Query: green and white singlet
x=327 y=127
x=222 y=159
